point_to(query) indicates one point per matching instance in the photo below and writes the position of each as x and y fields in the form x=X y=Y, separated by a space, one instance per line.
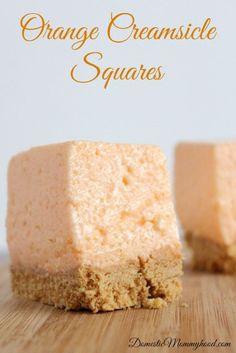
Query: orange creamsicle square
x=92 y=225
x=205 y=186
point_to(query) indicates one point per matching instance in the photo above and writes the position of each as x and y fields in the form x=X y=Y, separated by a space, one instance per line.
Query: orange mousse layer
x=96 y=204
x=205 y=185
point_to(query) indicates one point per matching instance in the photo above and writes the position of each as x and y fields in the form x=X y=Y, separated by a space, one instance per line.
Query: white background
x=40 y=104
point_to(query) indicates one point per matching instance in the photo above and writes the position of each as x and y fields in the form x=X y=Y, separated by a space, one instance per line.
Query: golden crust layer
x=210 y=256
x=151 y=284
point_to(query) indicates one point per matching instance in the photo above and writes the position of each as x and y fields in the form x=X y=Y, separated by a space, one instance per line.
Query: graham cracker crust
x=151 y=284
x=211 y=256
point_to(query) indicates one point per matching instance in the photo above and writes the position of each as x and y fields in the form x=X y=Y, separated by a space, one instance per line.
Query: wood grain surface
x=207 y=310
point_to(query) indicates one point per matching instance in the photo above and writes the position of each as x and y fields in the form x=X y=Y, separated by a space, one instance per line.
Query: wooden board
x=27 y=326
